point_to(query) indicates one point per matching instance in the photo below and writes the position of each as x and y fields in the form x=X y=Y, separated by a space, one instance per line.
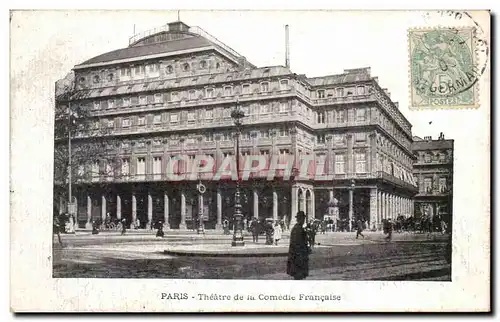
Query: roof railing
x=199 y=31
x=147 y=33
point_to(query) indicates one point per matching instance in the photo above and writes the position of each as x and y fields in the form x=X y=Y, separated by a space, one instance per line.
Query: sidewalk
x=218 y=234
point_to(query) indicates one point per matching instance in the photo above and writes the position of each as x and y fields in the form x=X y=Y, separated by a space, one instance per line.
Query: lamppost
x=201 y=190
x=351 y=197
x=71 y=208
x=237 y=115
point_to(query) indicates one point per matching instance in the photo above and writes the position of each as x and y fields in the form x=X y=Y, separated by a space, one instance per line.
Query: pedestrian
x=160 y=232
x=137 y=223
x=254 y=227
x=359 y=229
x=277 y=233
x=311 y=233
x=95 y=231
x=298 y=252
x=124 y=226
x=57 y=229
x=269 y=233
x=389 y=230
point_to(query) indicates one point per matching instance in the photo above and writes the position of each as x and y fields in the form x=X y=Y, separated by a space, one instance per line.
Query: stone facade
x=158 y=106
x=433 y=170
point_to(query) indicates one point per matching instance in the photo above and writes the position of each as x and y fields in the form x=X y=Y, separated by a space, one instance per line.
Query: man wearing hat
x=298 y=252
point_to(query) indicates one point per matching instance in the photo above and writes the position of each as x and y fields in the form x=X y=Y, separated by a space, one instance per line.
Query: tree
x=90 y=144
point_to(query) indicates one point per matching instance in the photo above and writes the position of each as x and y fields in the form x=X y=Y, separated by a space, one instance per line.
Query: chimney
x=287 y=48
x=441 y=136
x=178 y=26
x=428 y=138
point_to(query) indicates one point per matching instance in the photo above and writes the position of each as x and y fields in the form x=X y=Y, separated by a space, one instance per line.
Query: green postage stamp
x=443 y=71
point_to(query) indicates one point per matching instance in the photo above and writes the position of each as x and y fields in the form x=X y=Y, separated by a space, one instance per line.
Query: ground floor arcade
x=177 y=205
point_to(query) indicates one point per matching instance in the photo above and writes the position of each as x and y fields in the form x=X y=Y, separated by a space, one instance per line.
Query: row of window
x=160 y=98
x=340 y=116
x=191 y=116
x=340 y=139
x=147 y=70
x=340 y=163
x=429 y=157
x=226 y=113
x=340 y=92
x=428 y=185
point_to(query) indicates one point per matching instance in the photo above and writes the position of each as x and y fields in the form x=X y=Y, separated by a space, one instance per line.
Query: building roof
x=349 y=76
x=145 y=50
x=432 y=145
x=338 y=79
x=172 y=84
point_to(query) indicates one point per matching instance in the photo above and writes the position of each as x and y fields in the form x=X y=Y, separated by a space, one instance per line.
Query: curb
x=206 y=254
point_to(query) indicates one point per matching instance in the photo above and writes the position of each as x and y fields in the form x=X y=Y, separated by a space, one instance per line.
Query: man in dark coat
x=160 y=232
x=254 y=227
x=359 y=229
x=298 y=252
x=389 y=230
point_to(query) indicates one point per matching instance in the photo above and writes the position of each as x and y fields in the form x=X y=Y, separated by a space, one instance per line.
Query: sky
x=321 y=43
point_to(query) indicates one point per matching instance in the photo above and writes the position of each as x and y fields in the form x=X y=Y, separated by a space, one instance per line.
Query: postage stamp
x=443 y=68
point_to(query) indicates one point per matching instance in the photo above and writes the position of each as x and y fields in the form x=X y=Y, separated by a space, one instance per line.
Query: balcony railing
x=388 y=177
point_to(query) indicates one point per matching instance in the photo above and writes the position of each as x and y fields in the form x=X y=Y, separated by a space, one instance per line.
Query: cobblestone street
x=339 y=256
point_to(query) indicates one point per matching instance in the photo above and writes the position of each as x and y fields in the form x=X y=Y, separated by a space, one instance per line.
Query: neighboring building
x=172 y=93
x=433 y=170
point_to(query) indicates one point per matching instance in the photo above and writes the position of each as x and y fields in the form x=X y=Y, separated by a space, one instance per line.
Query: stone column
x=393 y=206
x=182 y=225
x=294 y=205
x=313 y=205
x=166 y=210
x=396 y=206
x=275 y=205
x=373 y=208
x=400 y=206
x=380 y=209
x=134 y=210
x=88 y=224
x=393 y=203
x=389 y=206
x=351 y=201
x=118 y=207
x=61 y=206
x=218 y=225
x=255 y=203
x=384 y=215
x=150 y=210
x=303 y=202
x=103 y=208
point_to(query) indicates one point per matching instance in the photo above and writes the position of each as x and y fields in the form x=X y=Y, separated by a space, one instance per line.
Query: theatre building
x=171 y=91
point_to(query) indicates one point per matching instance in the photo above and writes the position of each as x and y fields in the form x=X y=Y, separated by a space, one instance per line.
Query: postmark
x=443 y=68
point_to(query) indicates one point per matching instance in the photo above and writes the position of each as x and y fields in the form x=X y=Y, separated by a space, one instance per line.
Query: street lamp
x=351 y=197
x=71 y=208
x=237 y=115
x=201 y=190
